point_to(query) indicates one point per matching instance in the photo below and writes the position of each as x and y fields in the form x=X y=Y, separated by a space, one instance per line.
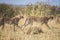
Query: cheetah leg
x=3 y=25
x=27 y=22
x=50 y=28
x=14 y=28
x=18 y=26
x=47 y=25
x=42 y=24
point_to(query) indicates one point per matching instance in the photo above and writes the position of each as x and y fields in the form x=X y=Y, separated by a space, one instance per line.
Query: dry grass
x=28 y=32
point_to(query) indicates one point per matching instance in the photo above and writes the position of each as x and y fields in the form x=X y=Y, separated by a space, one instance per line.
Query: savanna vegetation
x=30 y=9
x=36 y=10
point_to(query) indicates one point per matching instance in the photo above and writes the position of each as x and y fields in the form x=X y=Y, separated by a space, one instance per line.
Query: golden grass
x=48 y=34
